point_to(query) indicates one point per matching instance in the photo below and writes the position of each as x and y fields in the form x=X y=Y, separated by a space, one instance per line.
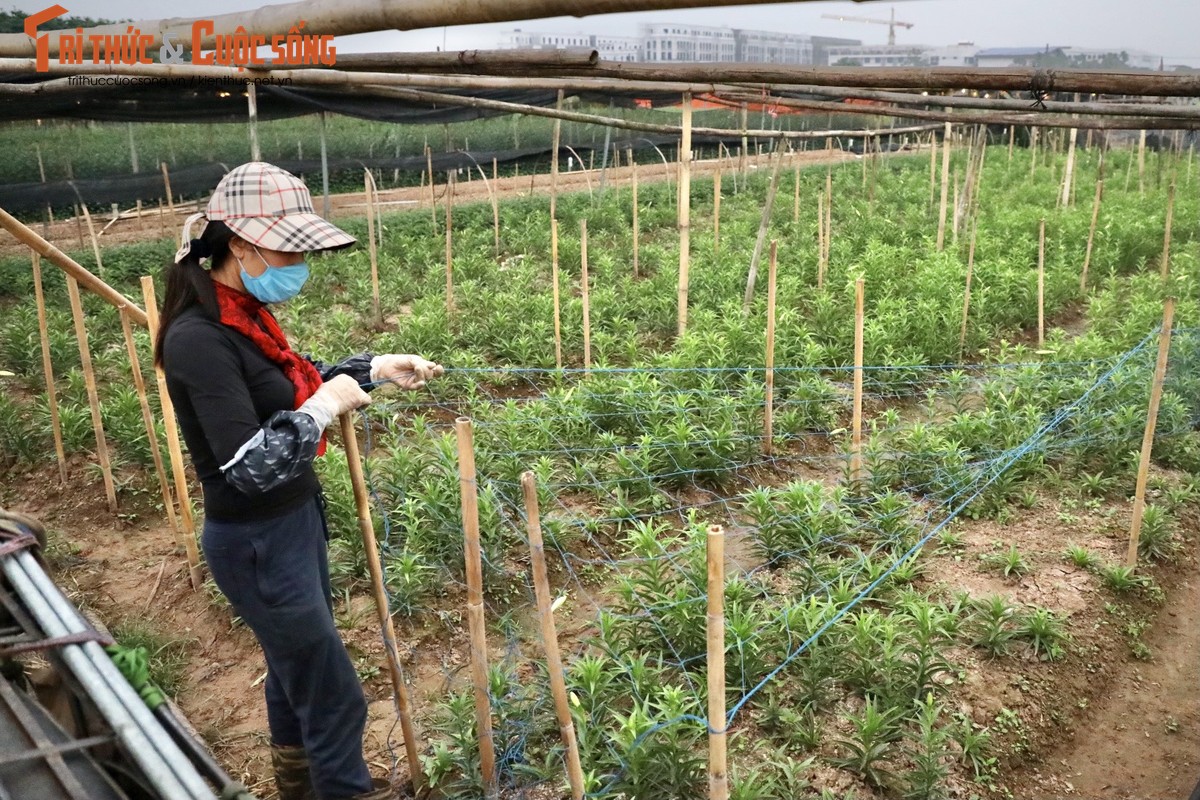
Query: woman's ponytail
x=188 y=281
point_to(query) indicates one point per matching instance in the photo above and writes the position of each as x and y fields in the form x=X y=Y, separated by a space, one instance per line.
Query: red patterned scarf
x=250 y=317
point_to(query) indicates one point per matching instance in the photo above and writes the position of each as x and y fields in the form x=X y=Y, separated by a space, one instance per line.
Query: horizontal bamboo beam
x=974 y=117
x=347 y=17
x=26 y=236
x=470 y=61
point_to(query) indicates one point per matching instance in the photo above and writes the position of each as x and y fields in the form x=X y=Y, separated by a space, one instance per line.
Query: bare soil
x=1099 y=723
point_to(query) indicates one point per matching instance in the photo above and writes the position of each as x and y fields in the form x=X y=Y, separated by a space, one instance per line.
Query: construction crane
x=891 y=23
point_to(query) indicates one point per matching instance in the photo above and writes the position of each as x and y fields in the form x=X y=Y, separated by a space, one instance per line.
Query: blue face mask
x=276 y=284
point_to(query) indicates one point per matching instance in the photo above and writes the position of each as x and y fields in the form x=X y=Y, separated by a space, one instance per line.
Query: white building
x=768 y=47
x=957 y=55
x=877 y=55
x=680 y=42
x=618 y=48
x=518 y=39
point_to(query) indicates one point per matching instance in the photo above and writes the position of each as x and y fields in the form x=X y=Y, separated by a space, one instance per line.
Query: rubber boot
x=292 y=779
x=383 y=791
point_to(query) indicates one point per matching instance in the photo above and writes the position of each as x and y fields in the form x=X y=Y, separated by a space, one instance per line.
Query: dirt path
x=1143 y=740
x=71 y=234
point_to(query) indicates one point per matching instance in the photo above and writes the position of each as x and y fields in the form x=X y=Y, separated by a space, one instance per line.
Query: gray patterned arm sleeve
x=283 y=448
x=357 y=366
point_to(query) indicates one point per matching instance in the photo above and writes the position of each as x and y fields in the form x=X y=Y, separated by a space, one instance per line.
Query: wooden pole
x=493 y=190
x=167 y=185
x=87 y=218
x=933 y=149
x=449 y=247
x=821 y=254
x=796 y=195
x=717 y=210
x=1165 y=266
x=718 y=779
x=362 y=504
x=89 y=377
x=554 y=159
x=1160 y=372
x=1041 y=289
x=828 y=218
x=1087 y=258
x=48 y=368
x=554 y=667
x=174 y=450
x=763 y=226
x=1012 y=138
x=769 y=405
x=684 y=212
x=324 y=169
x=432 y=193
x=369 y=191
x=745 y=151
x=584 y=295
x=941 y=234
x=1033 y=149
x=252 y=109
x=1142 y=163
x=474 y=567
x=139 y=384
x=962 y=333
x=1069 y=175
x=856 y=421
x=558 y=361
x=636 y=229
x=954 y=213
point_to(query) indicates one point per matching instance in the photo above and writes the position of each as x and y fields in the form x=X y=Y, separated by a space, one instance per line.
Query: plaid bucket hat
x=269 y=207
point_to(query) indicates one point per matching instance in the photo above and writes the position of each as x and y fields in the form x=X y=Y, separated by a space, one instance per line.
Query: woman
x=253 y=414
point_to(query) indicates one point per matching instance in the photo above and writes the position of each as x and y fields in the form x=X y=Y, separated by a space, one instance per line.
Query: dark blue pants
x=275 y=573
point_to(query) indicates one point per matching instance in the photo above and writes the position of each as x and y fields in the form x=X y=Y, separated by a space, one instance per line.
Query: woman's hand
x=405 y=370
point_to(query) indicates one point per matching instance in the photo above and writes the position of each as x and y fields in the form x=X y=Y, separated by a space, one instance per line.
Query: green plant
x=929 y=754
x=1081 y=556
x=1156 y=539
x=1044 y=631
x=872 y=741
x=1123 y=579
x=1010 y=563
x=992 y=625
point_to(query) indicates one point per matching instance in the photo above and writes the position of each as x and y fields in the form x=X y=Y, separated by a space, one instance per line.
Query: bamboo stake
x=474 y=567
x=252 y=112
x=167 y=186
x=1012 y=138
x=718 y=779
x=493 y=190
x=139 y=384
x=1165 y=267
x=449 y=249
x=369 y=191
x=769 y=407
x=933 y=149
x=1087 y=258
x=87 y=218
x=554 y=159
x=821 y=254
x=1160 y=371
x=717 y=210
x=636 y=229
x=763 y=225
x=583 y=289
x=1041 y=290
x=828 y=218
x=554 y=667
x=856 y=422
x=684 y=212
x=941 y=234
x=558 y=362
x=325 y=209
x=362 y=505
x=1069 y=175
x=89 y=377
x=954 y=205
x=745 y=151
x=1033 y=150
x=796 y=195
x=1142 y=163
x=432 y=193
x=173 y=448
x=962 y=333
x=48 y=367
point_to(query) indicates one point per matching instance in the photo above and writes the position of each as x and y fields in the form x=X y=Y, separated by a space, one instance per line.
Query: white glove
x=334 y=398
x=404 y=370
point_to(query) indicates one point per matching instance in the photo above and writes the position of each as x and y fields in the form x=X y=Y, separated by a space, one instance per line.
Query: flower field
x=867 y=611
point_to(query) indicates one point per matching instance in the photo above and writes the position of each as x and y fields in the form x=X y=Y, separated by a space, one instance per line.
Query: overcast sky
x=1164 y=27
